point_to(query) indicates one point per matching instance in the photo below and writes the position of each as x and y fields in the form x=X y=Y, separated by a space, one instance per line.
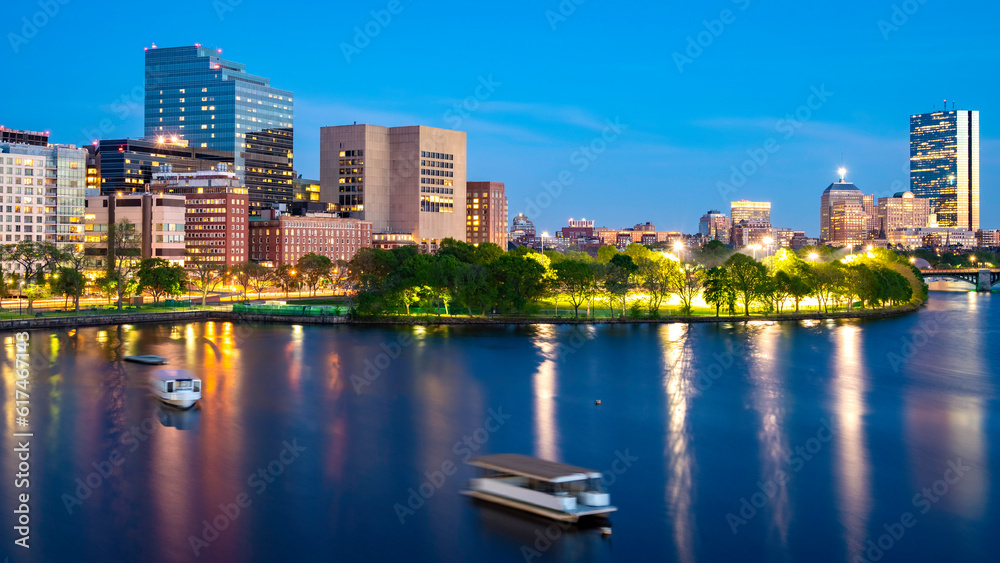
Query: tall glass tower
x=192 y=93
x=944 y=165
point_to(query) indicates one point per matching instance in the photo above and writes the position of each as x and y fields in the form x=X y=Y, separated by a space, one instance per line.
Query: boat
x=554 y=490
x=175 y=387
x=147 y=359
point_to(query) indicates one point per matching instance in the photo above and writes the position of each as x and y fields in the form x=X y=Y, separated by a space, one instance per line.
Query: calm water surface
x=721 y=435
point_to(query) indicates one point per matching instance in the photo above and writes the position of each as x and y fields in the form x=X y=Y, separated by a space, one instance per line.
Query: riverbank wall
x=256 y=318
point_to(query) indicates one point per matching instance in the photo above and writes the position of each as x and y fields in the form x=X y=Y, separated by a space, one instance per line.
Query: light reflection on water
x=700 y=449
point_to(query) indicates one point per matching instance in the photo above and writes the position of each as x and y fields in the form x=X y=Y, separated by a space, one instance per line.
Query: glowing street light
x=755 y=248
x=813 y=256
x=843 y=173
x=679 y=249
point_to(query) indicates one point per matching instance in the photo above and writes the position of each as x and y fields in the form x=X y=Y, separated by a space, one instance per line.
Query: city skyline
x=540 y=115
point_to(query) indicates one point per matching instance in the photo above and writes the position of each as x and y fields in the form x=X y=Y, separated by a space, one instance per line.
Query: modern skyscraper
x=843 y=215
x=486 y=209
x=944 y=165
x=715 y=225
x=210 y=102
x=743 y=210
x=404 y=180
x=521 y=228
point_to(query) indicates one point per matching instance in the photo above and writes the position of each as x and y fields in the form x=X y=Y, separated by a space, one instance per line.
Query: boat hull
x=148 y=360
x=183 y=400
x=541 y=510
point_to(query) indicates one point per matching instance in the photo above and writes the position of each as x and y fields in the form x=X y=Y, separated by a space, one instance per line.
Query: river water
x=811 y=441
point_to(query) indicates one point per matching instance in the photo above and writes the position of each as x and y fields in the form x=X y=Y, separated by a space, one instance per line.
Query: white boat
x=147 y=359
x=176 y=387
x=555 y=490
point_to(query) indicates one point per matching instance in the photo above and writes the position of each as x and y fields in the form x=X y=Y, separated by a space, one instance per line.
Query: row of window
x=427 y=190
x=438 y=155
x=427 y=172
x=436 y=164
x=352 y=153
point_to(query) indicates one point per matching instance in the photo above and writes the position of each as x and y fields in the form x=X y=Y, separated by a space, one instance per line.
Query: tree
x=520 y=281
x=658 y=276
x=124 y=255
x=70 y=283
x=688 y=287
x=314 y=268
x=717 y=289
x=577 y=279
x=108 y=285
x=476 y=287
x=242 y=273
x=747 y=277
x=826 y=278
x=206 y=277
x=782 y=288
x=161 y=278
x=712 y=254
x=287 y=278
x=619 y=280
x=260 y=277
x=35 y=259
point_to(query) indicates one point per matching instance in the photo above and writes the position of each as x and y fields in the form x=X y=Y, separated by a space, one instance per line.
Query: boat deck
x=572 y=515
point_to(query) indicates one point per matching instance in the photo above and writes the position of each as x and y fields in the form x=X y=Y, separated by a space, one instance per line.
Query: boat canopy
x=173 y=374
x=534 y=468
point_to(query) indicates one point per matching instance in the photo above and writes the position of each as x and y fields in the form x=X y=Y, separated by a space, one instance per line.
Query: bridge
x=983 y=279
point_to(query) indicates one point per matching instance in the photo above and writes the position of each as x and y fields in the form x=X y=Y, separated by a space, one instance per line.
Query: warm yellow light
x=842 y=171
x=678 y=245
x=768 y=241
x=870 y=247
x=813 y=256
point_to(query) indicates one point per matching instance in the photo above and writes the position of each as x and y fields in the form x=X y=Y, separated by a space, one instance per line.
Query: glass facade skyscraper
x=944 y=165
x=192 y=93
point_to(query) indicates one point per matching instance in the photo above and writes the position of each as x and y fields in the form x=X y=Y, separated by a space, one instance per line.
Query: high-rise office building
x=192 y=93
x=743 y=210
x=44 y=191
x=486 y=213
x=715 y=225
x=902 y=211
x=522 y=228
x=128 y=165
x=404 y=180
x=843 y=216
x=944 y=165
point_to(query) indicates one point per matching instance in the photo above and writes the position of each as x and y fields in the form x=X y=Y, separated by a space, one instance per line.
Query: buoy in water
x=597 y=402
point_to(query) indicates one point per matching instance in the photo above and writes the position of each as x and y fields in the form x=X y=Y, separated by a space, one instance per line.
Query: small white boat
x=550 y=489
x=147 y=359
x=176 y=387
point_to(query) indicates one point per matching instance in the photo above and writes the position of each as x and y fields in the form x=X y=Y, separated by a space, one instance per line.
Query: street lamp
x=813 y=256
x=768 y=241
x=679 y=249
x=755 y=248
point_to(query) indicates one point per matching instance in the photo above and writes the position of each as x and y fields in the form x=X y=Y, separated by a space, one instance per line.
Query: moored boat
x=147 y=359
x=550 y=489
x=176 y=387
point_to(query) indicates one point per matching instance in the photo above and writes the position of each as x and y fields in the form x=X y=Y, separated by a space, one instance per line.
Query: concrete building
x=194 y=94
x=789 y=238
x=486 y=213
x=277 y=239
x=521 y=228
x=743 y=210
x=218 y=208
x=988 y=238
x=715 y=225
x=944 y=165
x=159 y=218
x=749 y=233
x=43 y=193
x=901 y=211
x=403 y=180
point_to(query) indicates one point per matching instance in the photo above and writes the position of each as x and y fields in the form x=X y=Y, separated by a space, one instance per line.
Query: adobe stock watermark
x=923 y=332
x=30 y=25
x=923 y=502
x=581 y=159
x=461 y=111
x=759 y=156
x=563 y=11
x=463 y=449
x=365 y=34
x=546 y=537
x=375 y=367
x=899 y=17
x=696 y=44
x=796 y=460
x=128 y=104
x=131 y=439
x=258 y=481
x=223 y=7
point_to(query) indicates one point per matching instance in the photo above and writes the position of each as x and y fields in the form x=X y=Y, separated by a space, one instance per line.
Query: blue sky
x=558 y=74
